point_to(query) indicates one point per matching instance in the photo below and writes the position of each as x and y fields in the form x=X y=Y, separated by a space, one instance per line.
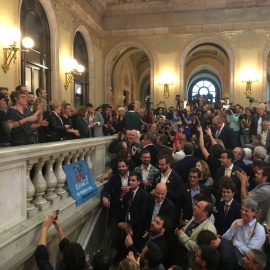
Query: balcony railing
x=33 y=182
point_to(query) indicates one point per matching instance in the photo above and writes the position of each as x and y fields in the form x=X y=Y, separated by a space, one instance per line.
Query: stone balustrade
x=33 y=182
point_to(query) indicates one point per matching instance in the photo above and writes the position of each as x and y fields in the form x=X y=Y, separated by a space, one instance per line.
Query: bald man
x=160 y=205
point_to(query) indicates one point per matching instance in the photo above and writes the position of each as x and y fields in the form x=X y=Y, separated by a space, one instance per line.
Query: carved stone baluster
x=67 y=161
x=51 y=181
x=82 y=155
x=75 y=156
x=60 y=176
x=40 y=186
x=30 y=189
x=88 y=159
x=68 y=158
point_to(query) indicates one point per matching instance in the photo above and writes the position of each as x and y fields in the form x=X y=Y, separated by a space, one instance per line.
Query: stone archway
x=208 y=40
x=110 y=62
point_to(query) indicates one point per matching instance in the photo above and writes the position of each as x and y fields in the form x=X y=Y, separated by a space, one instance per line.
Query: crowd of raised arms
x=188 y=188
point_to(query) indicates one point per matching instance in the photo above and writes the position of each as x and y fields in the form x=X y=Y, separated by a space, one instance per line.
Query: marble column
x=51 y=180
x=88 y=159
x=30 y=189
x=60 y=176
x=40 y=186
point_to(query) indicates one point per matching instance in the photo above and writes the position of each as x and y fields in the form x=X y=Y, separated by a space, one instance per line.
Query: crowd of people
x=188 y=188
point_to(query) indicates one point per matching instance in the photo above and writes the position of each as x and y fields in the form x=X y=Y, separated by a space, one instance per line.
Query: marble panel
x=12 y=194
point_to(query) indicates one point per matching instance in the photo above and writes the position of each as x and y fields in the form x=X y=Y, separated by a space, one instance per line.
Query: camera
x=241 y=117
x=166 y=128
x=182 y=112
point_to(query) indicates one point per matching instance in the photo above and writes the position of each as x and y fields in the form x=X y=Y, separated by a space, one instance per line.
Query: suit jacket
x=223 y=223
x=190 y=242
x=112 y=189
x=174 y=187
x=254 y=123
x=228 y=137
x=220 y=172
x=187 y=200
x=56 y=128
x=137 y=211
x=167 y=209
x=239 y=163
x=184 y=165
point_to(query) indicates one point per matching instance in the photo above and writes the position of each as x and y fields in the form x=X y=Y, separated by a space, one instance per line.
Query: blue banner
x=80 y=181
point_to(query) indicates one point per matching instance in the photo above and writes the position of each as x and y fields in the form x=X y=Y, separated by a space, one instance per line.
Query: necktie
x=217 y=134
x=131 y=198
x=226 y=209
x=227 y=173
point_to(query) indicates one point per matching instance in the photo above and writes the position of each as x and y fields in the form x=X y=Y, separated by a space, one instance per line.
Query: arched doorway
x=128 y=74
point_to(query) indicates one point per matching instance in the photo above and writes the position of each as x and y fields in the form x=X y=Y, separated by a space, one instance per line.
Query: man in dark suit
x=158 y=227
x=239 y=154
x=133 y=209
x=113 y=188
x=188 y=162
x=228 y=259
x=173 y=180
x=228 y=210
x=160 y=205
x=190 y=189
x=224 y=133
x=228 y=169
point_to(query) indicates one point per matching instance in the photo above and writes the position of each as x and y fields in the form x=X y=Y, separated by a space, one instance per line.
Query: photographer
x=171 y=134
x=232 y=118
x=187 y=121
x=245 y=121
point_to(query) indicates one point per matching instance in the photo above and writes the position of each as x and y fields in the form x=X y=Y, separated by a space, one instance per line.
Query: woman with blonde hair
x=178 y=152
x=56 y=125
x=79 y=122
x=205 y=178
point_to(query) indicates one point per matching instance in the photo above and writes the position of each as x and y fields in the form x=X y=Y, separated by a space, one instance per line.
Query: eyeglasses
x=197 y=255
x=161 y=164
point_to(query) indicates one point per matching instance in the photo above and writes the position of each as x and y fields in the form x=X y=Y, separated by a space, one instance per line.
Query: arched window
x=203 y=85
x=36 y=64
x=204 y=88
x=81 y=83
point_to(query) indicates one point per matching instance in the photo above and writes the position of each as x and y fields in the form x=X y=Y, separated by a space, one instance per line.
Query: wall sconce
x=248 y=87
x=10 y=53
x=166 y=79
x=75 y=68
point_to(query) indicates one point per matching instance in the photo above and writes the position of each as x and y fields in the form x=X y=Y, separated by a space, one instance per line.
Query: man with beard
x=173 y=180
x=113 y=188
x=188 y=235
x=30 y=101
x=146 y=170
x=159 y=226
